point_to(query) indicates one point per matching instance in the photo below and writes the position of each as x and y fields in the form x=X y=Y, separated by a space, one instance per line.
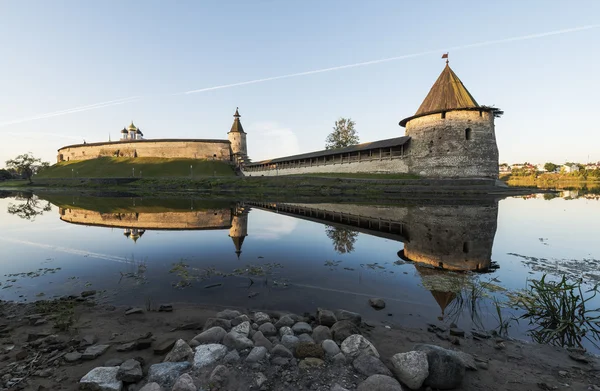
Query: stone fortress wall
x=159 y=148
x=384 y=166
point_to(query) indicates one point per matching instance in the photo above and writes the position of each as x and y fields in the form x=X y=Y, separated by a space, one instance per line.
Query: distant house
x=592 y=166
x=504 y=168
x=540 y=168
x=569 y=168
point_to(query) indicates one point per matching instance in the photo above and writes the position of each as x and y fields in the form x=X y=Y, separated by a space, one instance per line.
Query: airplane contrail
x=73 y=110
x=420 y=54
x=306 y=73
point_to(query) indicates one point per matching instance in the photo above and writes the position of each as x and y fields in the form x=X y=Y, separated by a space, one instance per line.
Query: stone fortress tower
x=451 y=135
x=237 y=138
x=239 y=227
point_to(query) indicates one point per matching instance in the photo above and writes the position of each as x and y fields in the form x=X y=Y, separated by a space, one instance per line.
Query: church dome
x=124 y=131
x=132 y=127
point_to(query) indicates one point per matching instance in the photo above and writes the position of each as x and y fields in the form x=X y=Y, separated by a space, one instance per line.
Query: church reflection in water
x=440 y=237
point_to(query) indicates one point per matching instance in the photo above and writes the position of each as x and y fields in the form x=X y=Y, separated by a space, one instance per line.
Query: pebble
x=102 y=378
x=184 y=383
x=74 y=357
x=256 y=354
x=136 y=310
x=379 y=383
x=290 y=341
x=285 y=330
x=330 y=347
x=285 y=320
x=377 y=303
x=302 y=327
x=228 y=314
x=163 y=345
x=281 y=351
x=208 y=354
x=356 y=345
x=311 y=362
x=457 y=332
x=261 y=317
x=326 y=317
x=113 y=362
x=94 y=351
x=130 y=371
x=268 y=329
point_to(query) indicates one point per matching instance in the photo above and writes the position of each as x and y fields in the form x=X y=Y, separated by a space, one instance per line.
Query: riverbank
x=280 y=188
x=37 y=355
x=553 y=181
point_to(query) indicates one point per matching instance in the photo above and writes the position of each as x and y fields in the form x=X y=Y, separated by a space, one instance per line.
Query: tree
x=29 y=208
x=26 y=165
x=343 y=239
x=550 y=167
x=343 y=134
x=5 y=174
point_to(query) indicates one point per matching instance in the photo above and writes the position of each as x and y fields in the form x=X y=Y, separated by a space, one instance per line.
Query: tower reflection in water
x=445 y=239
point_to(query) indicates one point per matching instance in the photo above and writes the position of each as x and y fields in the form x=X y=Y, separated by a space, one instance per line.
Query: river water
x=440 y=261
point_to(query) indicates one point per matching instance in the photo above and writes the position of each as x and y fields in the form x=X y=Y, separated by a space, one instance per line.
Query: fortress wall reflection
x=452 y=237
x=201 y=219
x=456 y=238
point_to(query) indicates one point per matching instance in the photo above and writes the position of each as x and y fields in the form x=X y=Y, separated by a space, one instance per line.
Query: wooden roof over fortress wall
x=387 y=143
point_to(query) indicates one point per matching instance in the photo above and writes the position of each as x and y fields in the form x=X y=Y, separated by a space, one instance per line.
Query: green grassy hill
x=112 y=167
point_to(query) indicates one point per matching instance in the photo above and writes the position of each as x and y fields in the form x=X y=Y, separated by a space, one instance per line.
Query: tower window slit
x=468 y=134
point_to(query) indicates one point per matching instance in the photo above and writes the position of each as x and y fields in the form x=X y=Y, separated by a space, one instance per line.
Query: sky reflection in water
x=319 y=255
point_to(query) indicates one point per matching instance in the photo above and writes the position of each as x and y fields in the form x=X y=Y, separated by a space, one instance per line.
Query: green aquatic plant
x=559 y=312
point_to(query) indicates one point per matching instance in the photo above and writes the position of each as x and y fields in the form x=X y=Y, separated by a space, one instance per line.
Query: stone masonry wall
x=390 y=166
x=439 y=147
x=192 y=149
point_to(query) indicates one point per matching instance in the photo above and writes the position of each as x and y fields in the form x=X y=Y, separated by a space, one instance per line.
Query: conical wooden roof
x=237 y=124
x=447 y=93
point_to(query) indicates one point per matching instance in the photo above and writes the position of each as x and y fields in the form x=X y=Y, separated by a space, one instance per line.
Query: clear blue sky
x=60 y=55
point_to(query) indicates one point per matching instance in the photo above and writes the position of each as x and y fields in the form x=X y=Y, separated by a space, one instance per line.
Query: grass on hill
x=112 y=167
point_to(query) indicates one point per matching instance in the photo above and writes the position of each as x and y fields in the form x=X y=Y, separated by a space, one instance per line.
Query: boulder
x=339 y=359
x=180 y=352
x=101 y=379
x=242 y=328
x=306 y=338
x=260 y=340
x=261 y=317
x=446 y=370
x=342 y=329
x=74 y=357
x=256 y=354
x=321 y=333
x=228 y=314
x=213 y=322
x=348 y=315
x=330 y=348
x=184 y=383
x=356 y=344
x=377 y=303
x=260 y=379
x=290 y=341
x=368 y=365
x=285 y=320
x=326 y=317
x=151 y=387
x=231 y=357
x=301 y=328
x=237 y=341
x=379 y=383
x=307 y=349
x=268 y=329
x=94 y=351
x=240 y=319
x=219 y=376
x=212 y=335
x=208 y=354
x=285 y=330
x=166 y=373
x=130 y=372
x=411 y=368
x=163 y=345
x=281 y=351
x=337 y=387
